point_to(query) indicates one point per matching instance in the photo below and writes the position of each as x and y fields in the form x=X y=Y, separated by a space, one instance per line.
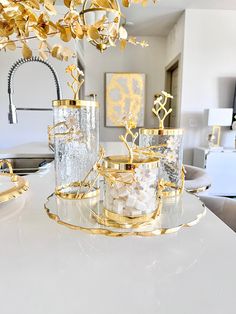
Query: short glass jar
x=131 y=189
x=76 y=145
x=168 y=144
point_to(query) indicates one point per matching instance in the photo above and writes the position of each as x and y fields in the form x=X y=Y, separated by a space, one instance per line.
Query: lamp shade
x=220 y=117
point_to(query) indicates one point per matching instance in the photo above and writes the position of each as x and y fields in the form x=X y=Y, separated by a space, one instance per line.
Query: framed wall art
x=124 y=93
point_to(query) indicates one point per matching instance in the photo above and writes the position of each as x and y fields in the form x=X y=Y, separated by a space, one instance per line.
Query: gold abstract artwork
x=125 y=92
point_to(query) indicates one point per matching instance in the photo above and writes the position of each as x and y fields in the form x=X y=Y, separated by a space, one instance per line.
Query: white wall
x=175 y=40
x=174 y=52
x=149 y=60
x=209 y=72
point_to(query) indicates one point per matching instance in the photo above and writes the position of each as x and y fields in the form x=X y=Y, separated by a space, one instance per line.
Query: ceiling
x=158 y=19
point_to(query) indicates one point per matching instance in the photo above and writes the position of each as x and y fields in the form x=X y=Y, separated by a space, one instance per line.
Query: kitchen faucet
x=12 y=115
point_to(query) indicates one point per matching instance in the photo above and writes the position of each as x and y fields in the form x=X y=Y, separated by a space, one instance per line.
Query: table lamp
x=218 y=118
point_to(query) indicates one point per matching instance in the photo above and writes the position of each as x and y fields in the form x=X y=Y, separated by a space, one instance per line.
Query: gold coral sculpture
x=129 y=124
x=24 y=20
x=160 y=107
x=78 y=81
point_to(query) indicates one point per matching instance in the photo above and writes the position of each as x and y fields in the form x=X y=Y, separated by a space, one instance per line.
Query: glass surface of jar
x=76 y=145
x=131 y=189
x=168 y=143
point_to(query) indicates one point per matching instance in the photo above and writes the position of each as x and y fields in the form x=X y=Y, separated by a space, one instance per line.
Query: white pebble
x=130 y=201
x=140 y=205
x=118 y=206
x=142 y=196
x=123 y=192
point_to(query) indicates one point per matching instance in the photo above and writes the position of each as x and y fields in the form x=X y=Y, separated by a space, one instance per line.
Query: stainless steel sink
x=27 y=165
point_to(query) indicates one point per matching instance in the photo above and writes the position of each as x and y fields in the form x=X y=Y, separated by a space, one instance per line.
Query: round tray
x=176 y=213
x=10 y=188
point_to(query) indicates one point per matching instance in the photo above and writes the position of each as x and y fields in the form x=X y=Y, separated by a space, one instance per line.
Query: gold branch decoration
x=78 y=81
x=160 y=107
x=129 y=124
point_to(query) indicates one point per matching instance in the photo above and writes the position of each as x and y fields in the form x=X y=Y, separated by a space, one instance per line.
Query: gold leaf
x=111 y=42
x=116 y=19
x=26 y=51
x=48 y=4
x=93 y=33
x=52 y=26
x=11 y=45
x=65 y=34
x=55 y=50
x=144 y=3
x=43 y=54
x=123 y=33
x=67 y=3
x=77 y=30
x=123 y=44
x=126 y=3
x=144 y=44
x=100 y=22
x=103 y=3
x=40 y=33
x=132 y=40
x=34 y=4
x=67 y=53
x=43 y=45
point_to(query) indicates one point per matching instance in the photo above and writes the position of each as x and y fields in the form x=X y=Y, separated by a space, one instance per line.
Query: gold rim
x=161 y=131
x=99 y=9
x=122 y=163
x=73 y=104
x=77 y=196
x=121 y=219
x=107 y=232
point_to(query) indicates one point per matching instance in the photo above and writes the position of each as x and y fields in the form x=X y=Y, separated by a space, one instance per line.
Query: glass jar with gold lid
x=76 y=145
x=131 y=188
x=168 y=144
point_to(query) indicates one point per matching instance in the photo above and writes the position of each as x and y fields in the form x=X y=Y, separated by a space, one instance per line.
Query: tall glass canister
x=168 y=144
x=76 y=144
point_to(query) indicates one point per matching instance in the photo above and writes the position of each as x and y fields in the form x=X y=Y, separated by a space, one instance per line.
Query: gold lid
x=70 y=103
x=122 y=162
x=165 y=131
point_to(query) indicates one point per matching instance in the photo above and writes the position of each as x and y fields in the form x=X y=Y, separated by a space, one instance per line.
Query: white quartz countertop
x=31 y=150
x=46 y=268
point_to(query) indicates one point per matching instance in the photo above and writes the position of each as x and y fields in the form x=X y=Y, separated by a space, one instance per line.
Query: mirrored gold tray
x=11 y=185
x=176 y=213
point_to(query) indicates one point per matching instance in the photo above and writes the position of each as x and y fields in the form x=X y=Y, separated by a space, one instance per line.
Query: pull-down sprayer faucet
x=12 y=115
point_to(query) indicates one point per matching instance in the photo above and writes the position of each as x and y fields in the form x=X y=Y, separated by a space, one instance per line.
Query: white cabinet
x=221 y=168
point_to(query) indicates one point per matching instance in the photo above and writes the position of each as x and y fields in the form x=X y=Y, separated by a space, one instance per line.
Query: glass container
x=168 y=144
x=76 y=144
x=131 y=188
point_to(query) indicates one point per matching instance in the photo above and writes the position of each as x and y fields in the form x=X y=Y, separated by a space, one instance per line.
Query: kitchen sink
x=27 y=165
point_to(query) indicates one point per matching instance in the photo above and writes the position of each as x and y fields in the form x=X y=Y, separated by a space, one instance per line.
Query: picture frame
x=124 y=92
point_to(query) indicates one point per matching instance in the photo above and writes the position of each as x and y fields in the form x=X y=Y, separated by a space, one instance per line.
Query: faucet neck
x=12 y=115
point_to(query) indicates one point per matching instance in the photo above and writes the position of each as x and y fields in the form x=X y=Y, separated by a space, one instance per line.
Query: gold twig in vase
x=129 y=124
x=160 y=107
x=78 y=80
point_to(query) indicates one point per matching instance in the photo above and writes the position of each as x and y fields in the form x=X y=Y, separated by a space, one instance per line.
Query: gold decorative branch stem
x=129 y=124
x=78 y=81
x=159 y=107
